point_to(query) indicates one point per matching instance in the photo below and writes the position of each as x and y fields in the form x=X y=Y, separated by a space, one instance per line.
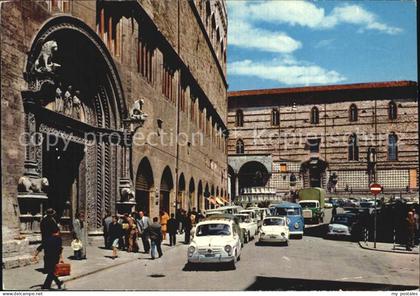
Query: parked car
x=215 y=241
x=342 y=225
x=230 y=209
x=312 y=201
x=274 y=229
x=328 y=205
x=249 y=227
x=235 y=220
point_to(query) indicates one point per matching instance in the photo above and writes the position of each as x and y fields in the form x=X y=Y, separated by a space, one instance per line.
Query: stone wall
x=287 y=141
x=178 y=35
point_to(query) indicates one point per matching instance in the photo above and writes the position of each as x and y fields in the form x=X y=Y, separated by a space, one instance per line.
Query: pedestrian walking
x=195 y=213
x=187 y=227
x=411 y=228
x=179 y=217
x=53 y=249
x=80 y=230
x=126 y=230
x=172 y=229
x=164 y=217
x=115 y=233
x=132 y=234
x=143 y=224
x=48 y=226
x=334 y=210
x=156 y=238
x=105 y=224
x=417 y=230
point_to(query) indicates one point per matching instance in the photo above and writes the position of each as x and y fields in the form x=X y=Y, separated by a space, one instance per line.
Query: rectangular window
x=192 y=109
x=283 y=168
x=182 y=103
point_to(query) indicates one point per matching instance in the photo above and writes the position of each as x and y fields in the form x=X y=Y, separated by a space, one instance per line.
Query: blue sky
x=281 y=43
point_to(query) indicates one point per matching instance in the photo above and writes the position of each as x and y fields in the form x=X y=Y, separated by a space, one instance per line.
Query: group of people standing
x=123 y=233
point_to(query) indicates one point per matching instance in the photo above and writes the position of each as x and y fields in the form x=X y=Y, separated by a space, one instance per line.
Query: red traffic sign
x=375 y=189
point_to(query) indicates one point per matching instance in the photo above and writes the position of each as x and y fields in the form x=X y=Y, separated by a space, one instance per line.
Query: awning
x=212 y=200
x=219 y=201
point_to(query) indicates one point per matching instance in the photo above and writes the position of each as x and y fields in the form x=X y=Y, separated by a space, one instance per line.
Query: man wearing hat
x=48 y=226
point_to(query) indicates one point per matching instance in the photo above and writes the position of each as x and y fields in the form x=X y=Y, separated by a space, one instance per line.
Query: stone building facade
x=325 y=136
x=94 y=96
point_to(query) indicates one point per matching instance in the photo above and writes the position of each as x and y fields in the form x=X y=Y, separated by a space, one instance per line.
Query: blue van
x=293 y=212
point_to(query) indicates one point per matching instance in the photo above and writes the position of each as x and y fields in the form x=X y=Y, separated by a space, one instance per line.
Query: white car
x=274 y=229
x=328 y=205
x=215 y=241
x=249 y=226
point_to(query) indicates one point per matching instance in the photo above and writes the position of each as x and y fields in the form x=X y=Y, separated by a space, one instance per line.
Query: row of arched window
x=314 y=116
x=353 y=147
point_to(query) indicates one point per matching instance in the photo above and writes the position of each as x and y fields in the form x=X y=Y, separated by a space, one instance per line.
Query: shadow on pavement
x=316 y=231
x=207 y=267
x=291 y=284
x=270 y=244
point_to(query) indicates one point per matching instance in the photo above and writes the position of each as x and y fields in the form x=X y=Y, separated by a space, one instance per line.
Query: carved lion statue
x=127 y=194
x=27 y=184
x=44 y=61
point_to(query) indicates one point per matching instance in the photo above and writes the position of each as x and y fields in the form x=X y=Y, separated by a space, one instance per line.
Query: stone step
x=13 y=248
x=17 y=261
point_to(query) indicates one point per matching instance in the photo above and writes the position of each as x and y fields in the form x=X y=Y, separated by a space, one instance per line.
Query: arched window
x=353 y=147
x=275 y=117
x=392 y=110
x=314 y=115
x=353 y=113
x=240 y=147
x=392 y=147
x=239 y=120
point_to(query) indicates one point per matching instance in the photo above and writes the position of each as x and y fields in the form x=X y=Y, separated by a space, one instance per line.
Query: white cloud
x=243 y=35
x=307 y=14
x=285 y=71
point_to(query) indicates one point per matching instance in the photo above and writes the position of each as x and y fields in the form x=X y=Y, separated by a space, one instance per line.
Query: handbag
x=62 y=269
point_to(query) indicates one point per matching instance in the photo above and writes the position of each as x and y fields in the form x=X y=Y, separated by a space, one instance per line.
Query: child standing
x=77 y=246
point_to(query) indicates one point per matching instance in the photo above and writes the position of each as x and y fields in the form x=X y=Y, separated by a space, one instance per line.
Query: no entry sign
x=375 y=189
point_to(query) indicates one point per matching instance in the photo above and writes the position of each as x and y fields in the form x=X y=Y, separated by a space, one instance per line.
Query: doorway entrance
x=60 y=165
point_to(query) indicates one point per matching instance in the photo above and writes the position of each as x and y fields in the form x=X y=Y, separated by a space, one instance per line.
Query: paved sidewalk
x=388 y=247
x=98 y=258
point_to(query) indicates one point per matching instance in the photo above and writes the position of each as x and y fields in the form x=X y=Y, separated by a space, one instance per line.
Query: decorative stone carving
x=59 y=102
x=44 y=63
x=126 y=191
x=32 y=185
x=68 y=102
x=136 y=111
x=77 y=105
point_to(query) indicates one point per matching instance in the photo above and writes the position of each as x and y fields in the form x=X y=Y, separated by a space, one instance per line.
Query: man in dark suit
x=48 y=226
x=53 y=247
x=155 y=231
x=172 y=229
x=143 y=224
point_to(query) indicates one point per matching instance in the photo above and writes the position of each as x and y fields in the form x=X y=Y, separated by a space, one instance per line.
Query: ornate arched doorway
x=166 y=188
x=74 y=103
x=181 y=192
x=191 y=192
x=200 y=195
x=252 y=174
x=144 y=186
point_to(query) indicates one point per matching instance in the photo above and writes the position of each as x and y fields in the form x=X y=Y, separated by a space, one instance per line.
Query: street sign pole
x=374 y=226
x=375 y=189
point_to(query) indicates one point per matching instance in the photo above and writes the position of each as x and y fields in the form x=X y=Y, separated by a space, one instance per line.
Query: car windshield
x=242 y=219
x=308 y=204
x=273 y=221
x=286 y=212
x=341 y=220
x=213 y=229
x=366 y=204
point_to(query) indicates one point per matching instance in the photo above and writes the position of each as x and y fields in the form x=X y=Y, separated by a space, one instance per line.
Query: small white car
x=274 y=229
x=248 y=225
x=215 y=241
